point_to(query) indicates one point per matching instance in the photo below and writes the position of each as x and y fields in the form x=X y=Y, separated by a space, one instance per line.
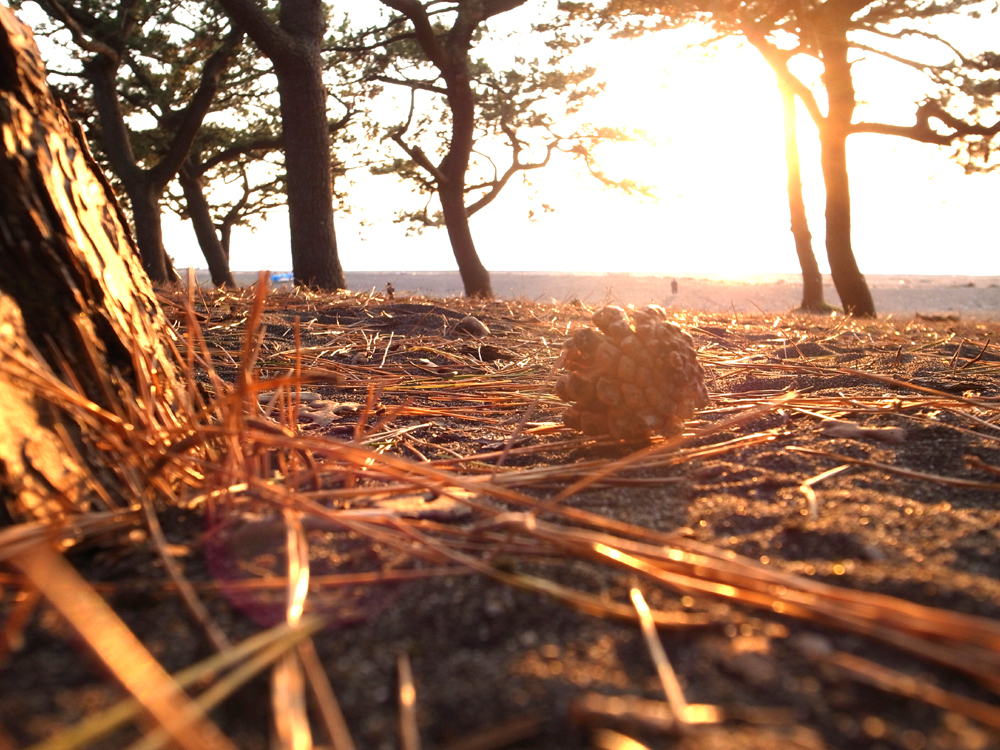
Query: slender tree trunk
x=294 y=46
x=851 y=285
x=453 y=168
x=812 y=279
x=225 y=228
x=204 y=227
x=839 y=84
x=475 y=277
x=306 y=135
x=102 y=73
x=228 y=222
x=449 y=52
x=146 y=221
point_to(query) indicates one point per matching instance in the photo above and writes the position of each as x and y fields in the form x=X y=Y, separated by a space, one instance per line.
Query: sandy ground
x=969 y=296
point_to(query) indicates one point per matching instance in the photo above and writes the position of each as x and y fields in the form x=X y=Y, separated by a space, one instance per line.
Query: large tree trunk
x=812 y=279
x=294 y=45
x=839 y=84
x=72 y=293
x=204 y=228
x=306 y=135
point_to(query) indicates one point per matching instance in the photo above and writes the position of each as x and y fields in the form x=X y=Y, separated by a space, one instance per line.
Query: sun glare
x=712 y=150
x=708 y=142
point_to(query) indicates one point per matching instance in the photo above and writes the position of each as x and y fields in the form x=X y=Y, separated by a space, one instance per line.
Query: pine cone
x=637 y=375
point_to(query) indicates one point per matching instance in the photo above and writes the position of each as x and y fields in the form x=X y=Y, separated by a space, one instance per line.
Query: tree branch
x=918 y=66
x=194 y=113
x=420 y=158
x=497 y=185
x=57 y=12
x=916 y=32
x=266 y=144
x=417 y=85
x=360 y=48
x=777 y=59
x=422 y=27
x=272 y=41
x=843 y=8
x=922 y=131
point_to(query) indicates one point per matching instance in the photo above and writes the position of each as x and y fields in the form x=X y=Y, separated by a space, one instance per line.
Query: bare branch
x=418 y=85
x=423 y=30
x=918 y=66
x=497 y=185
x=922 y=131
x=778 y=60
x=918 y=33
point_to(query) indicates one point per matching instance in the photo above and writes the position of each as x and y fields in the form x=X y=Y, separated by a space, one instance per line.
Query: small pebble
x=472 y=326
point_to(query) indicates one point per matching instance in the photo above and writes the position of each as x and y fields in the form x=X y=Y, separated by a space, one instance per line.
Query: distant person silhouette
x=673 y=286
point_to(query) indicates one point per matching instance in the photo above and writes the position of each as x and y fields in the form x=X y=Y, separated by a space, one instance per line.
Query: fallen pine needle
x=609 y=739
x=94 y=727
x=235 y=679
x=501 y=735
x=125 y=657
x=806 y=488
x=950 y=481
x=409 y=734
x=288 y=682
x=893 y=681
x=673 y=444
x=668 y=679
x=326 y=699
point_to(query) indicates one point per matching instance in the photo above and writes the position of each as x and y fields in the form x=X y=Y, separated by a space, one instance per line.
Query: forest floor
x=821 y=548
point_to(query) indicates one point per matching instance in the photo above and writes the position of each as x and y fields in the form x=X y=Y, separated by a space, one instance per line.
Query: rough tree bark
x=294 y=45
x=74 y=301
x=812 y=279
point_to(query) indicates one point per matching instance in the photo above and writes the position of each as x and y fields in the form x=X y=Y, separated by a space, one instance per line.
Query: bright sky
x=715 y=159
